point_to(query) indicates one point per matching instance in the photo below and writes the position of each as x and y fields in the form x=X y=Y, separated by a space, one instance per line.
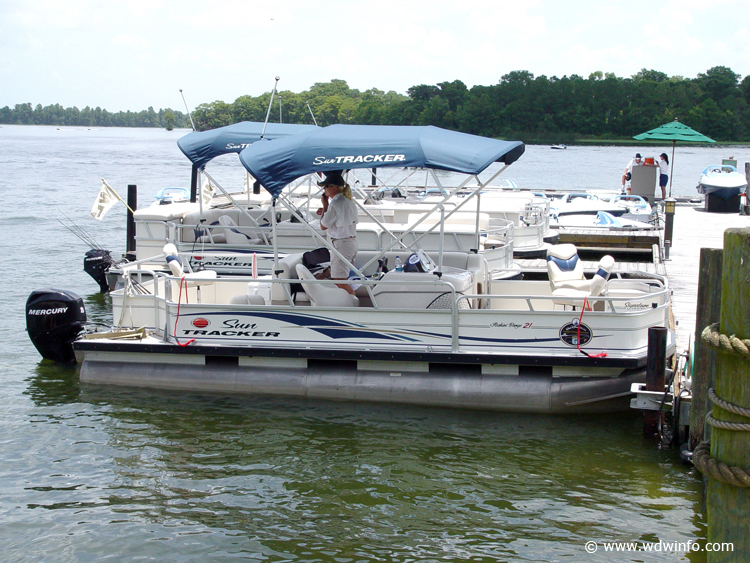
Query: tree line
x=25 y=114
x=520 y=106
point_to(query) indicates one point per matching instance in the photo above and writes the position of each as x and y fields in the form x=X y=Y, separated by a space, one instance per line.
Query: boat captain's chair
x=565 y=269
x=569 y=296
x=324 y=295
x=604 y=269
x=233 y=235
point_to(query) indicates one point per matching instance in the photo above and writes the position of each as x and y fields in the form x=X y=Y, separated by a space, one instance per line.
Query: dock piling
x=669 y=210
x=130 y=222
x=656 y=365
x=703 y=361
x=728 y=505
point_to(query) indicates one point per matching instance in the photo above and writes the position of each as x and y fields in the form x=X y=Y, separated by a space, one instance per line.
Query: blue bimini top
x=275 y=163
x=201 y=147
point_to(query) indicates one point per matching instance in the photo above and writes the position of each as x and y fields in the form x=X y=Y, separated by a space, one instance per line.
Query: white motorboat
x=602 y=221
x=633 y=204
x=559 y=147
x=722 y=181
x=580 y=203
x=443 y=332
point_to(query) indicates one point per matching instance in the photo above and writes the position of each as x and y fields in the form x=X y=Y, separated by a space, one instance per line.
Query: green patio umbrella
x=673 y=131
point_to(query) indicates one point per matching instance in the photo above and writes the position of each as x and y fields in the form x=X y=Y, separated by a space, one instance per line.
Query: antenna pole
x=188 y=110
x=273 y=92
x=311 y=113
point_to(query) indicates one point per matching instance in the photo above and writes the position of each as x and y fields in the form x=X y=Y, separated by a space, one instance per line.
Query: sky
x=131 y=55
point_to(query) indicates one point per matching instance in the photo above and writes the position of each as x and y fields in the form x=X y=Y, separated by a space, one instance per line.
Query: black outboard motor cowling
x=96 y=262
x=54 y=319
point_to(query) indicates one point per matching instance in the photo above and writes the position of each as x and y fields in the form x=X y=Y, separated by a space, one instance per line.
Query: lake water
x=93 y=473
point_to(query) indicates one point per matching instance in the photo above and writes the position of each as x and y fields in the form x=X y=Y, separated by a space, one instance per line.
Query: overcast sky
x=139 y=53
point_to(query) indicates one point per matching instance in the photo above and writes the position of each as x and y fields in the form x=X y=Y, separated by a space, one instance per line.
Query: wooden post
x=708 y=311
x=655 y=374
x=130 y=222
x=669 y=210
x=728 y=507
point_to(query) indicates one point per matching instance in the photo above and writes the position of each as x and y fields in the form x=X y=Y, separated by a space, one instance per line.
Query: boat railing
x=153 y=229
x=623 y=297
x=617 y=290
x=143 y=266
x=661 y=296
x=137 y=281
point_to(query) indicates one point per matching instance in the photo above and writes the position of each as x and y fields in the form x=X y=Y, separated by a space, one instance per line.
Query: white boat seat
x=565 y=269
x=575 y=297
x=324 y=295
x=197 y=279
x=604 y=269
x=287 y=271
x=193 y=279
x=418 y=290
x=233 y=235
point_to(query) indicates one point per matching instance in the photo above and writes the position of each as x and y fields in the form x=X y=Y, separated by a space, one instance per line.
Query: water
x=96 y=473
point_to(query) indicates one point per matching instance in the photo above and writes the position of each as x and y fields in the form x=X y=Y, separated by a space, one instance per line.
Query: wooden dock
x=626 y=240
x=693 y=229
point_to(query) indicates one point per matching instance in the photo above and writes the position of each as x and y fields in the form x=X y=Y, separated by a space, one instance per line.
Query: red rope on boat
x=578 y=339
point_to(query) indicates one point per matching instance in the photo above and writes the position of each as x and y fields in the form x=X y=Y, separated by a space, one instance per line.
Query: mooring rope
x=718 y=470
x=716 y=339
x=702 y=455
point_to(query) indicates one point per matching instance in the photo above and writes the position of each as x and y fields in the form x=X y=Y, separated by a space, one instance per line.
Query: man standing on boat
x=629 y=169
x=339 y=218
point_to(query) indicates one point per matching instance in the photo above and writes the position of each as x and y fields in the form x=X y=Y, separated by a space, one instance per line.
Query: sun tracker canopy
x=276 y=163
x=203 y=146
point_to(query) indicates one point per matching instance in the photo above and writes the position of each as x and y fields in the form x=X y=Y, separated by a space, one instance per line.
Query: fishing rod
x=270 y=103
x=188 y=110
x=80 y=233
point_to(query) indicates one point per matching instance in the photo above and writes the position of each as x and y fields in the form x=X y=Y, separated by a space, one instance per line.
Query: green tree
x=718 y=82
x=169 y=120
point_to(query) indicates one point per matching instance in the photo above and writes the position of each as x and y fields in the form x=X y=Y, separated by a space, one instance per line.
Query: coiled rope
x=716 y=339
x=701 y=456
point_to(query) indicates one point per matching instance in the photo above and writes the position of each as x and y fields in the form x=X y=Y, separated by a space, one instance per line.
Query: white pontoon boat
x=443 y=332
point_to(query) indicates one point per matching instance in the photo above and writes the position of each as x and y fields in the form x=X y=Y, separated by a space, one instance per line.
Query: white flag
x=207 y=193
x=104 y=201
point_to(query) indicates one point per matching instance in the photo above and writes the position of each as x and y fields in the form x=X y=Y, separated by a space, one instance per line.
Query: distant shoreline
x=588 y=141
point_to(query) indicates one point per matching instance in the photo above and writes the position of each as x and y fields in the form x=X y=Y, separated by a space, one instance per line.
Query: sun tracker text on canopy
x=276 y=163
x=203 y=146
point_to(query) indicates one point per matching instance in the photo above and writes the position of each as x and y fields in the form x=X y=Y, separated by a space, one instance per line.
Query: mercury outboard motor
x=96 y=262
x=54 y=319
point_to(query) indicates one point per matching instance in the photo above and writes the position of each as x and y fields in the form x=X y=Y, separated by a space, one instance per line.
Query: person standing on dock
x=338 y=216
x=663 y=161
x=629 y=169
